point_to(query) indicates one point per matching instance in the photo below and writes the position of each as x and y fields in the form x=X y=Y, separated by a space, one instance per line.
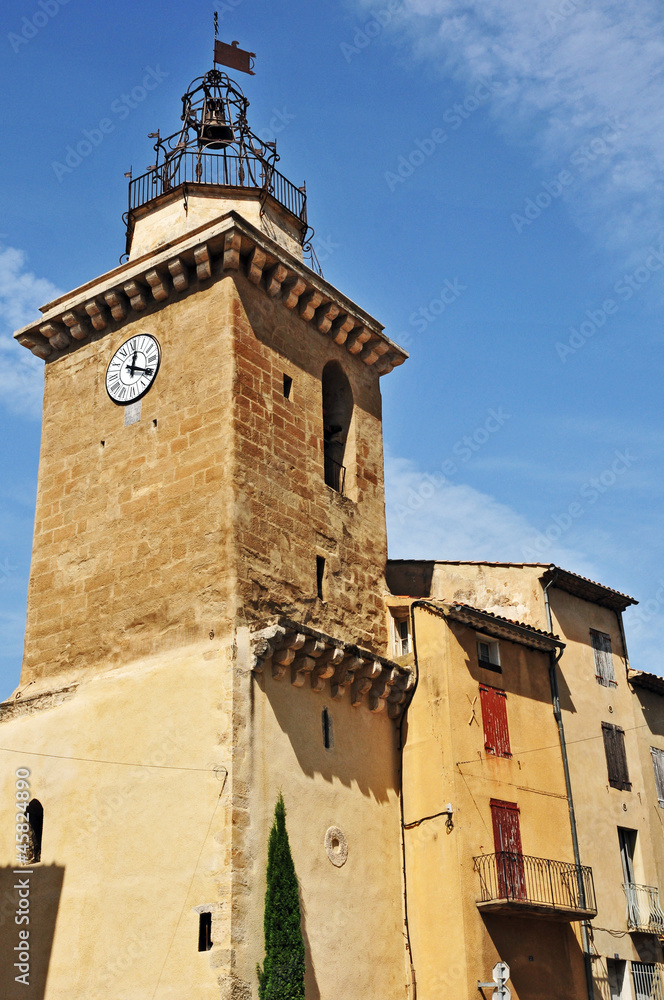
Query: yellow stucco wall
x=454 y=945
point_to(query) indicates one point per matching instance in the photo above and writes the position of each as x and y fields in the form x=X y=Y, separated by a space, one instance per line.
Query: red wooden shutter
x=509 y=855
x=494 y=718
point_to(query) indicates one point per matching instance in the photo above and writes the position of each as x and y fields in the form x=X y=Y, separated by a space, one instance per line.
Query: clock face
x=133 y=369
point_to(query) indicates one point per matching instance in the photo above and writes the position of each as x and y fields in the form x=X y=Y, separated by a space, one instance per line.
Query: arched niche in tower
x=338 y=429
x=35 y=818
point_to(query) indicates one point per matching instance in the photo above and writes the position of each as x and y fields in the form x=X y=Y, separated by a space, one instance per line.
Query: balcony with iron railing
x=221 y=170
x=520 y=885
x=644 y=912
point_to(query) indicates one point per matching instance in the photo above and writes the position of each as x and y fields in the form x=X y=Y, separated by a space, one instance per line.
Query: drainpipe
x=554 y=659
x=413 y=980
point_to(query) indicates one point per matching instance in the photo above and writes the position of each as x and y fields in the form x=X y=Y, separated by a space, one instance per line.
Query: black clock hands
x=133 y=367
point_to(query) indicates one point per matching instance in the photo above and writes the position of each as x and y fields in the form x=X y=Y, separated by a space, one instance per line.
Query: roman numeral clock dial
x=132 y=369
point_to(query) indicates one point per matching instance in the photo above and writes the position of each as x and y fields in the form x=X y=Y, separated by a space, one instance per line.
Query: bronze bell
x=216 y=131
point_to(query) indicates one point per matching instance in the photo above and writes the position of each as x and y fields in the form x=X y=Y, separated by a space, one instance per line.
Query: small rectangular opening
x=320 y=575
x=288 y=385
x=204 y=931
x=328 y=739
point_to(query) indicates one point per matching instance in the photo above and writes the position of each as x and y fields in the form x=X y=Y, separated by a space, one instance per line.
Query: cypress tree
x=282 y=975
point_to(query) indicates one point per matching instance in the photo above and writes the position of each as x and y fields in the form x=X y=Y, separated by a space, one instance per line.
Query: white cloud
x=429 y=517
x=21 y=294
x=574 y=65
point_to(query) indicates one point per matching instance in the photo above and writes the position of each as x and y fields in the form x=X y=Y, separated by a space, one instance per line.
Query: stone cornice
x=228 y=246
x=304 y=655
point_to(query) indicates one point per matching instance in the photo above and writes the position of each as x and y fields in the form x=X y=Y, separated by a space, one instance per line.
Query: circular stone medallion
x=336 y=846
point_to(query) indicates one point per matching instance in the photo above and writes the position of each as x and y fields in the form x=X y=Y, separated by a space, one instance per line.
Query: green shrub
x=282 y=975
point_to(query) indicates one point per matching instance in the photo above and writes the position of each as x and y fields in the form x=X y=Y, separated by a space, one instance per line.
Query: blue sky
x=484 y=177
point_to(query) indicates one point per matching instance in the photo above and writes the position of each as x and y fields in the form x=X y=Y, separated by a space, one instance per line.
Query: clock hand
x=132 y=367
x=147 y=371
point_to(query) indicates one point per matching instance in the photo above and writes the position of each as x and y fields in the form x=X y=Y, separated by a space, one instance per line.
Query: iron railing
x=223 y=169
x=644 y=912
x=647 y=978
x=560 y=885
x=335 y=474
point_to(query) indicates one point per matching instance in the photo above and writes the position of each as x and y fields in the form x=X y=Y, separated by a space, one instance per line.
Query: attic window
x=401 y=636
x=488 y=654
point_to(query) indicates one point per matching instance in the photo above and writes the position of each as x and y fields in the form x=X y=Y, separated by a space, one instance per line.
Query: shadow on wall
x=651 y=706
x=364 y=745
x=311 y=988
x=544 y=956
x=42 y=890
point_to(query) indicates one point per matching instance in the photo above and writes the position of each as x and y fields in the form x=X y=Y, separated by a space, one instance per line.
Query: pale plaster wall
x=139 y=846
x=171 y=218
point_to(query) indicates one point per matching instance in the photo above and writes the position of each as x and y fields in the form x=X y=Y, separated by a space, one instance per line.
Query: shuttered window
x=601 y=643
x=658 y=766
x=494 y=719
x=616 y=758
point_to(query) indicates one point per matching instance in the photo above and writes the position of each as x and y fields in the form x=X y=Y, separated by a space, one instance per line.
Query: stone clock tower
x=206 y=616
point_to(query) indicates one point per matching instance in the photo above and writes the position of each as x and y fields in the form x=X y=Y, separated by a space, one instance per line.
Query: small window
x=288 y=385
x=658 y=767
x=401 y=638
x=494 y=719
x=616 y=758
x=488 y=654
x=320 y=576
x=204 y=931
x=601 y=643
x=35 y=818
x=328 y=735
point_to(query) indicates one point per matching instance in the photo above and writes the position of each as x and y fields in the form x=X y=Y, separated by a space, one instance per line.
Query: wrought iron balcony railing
x=644 y=912
x=511 y=882
x=224 y=169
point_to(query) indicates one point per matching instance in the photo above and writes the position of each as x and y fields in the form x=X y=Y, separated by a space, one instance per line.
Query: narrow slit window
x=288 y=385
x=35 y=818
x=328 y=736
x=204 y=931
x=320 y=575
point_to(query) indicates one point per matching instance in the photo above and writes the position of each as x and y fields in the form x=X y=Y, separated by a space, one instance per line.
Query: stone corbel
x=179 y=272
x=293 y=289
x=326 y=666
x=136 y=294
x=56 y=334
x=326 y=315
x=78 y=325
x=380 y=689
x=255 y=266
x=274 y=279
x=373 y=350
x=309 y=303
x=358 y=339
x=117 y=303
x=306 y=661
x=232 y=247
x=203 y=262
x=344 y=675
x=40 y=347
x=96 y=310
x=285 y=654
x=364 y=678
x=267 y=642
x=158 y=282
x=341 y=328
x=398 y=694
